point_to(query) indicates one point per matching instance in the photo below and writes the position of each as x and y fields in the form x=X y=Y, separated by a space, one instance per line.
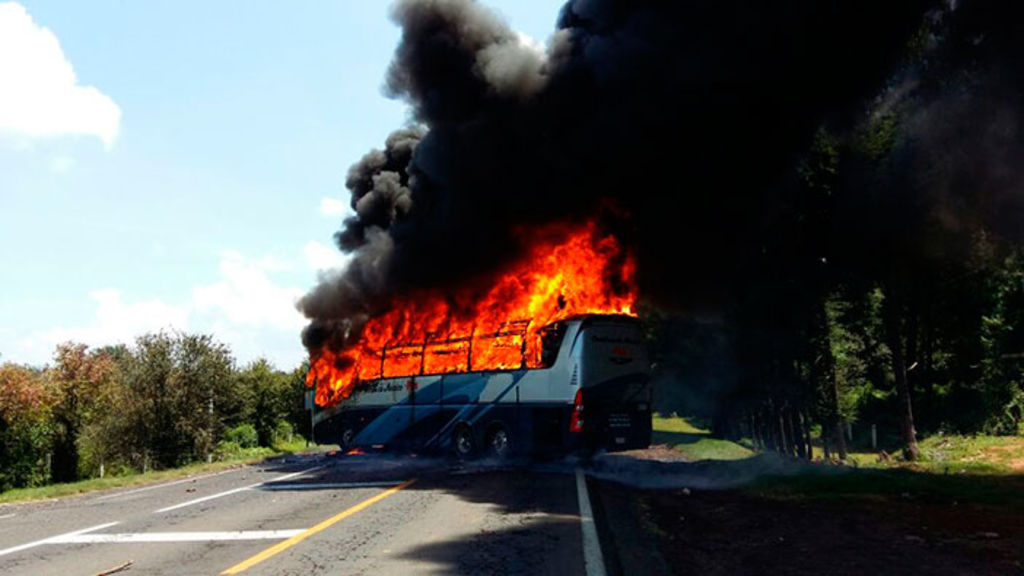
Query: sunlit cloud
x=334 y=207
x=245 y=295
x=321 y=257
x=40 y=95
x=245 y=307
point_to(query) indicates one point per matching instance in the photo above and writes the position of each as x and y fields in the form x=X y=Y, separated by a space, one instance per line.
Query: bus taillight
x=576 y=420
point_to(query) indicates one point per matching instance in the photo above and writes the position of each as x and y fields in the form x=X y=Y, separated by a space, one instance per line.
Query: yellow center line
x=282 y=546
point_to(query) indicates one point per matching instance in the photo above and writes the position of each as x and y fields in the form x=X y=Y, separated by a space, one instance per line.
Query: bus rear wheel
x=498 y=443
x=346 y=439
x=462 y=442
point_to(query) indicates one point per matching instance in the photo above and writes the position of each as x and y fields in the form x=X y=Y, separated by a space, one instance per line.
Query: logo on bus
x=620 y=355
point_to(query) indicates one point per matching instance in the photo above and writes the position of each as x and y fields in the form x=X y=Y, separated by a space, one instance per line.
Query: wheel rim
x=499 y=442
x=463 y=443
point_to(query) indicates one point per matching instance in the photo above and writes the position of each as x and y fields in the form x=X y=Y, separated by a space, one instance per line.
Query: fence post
x=874 y=437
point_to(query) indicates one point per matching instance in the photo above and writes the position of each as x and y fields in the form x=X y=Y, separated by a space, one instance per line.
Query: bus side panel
x=350 y=422
x=462 y=389
x=543 y=414
x=545 y=427
x=382 y=430
x=422 y=424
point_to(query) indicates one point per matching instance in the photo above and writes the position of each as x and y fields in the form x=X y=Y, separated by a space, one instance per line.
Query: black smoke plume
x=953 y=168
x=679 y=123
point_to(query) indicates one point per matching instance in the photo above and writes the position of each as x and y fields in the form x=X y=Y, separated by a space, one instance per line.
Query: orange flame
x=567 y=271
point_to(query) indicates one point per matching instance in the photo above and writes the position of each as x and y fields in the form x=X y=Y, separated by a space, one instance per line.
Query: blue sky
x=190 y=173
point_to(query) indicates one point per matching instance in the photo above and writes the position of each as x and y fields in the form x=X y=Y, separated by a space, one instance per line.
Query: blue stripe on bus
x=460 y=417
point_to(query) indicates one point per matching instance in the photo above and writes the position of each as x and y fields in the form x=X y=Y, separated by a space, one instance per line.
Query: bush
x=225 y=450
x=283 y=432
x=22 y=452
x=243 y=435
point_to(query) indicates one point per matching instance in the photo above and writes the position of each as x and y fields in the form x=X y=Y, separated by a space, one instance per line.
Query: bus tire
x=346 y=437
x=462 y=442
x=499 y=443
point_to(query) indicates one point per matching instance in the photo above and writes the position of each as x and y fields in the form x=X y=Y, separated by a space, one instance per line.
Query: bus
x=591 y=391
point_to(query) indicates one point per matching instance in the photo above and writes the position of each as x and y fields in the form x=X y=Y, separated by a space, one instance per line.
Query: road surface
x=315 y=515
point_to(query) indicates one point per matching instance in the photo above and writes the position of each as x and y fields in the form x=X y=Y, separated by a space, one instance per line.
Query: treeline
x=790 y=369
x=889 y=289
x=167 y=400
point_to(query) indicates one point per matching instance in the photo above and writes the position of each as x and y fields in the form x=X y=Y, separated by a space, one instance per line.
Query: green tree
x=298 y=414
x=25 y=402
x=270 y=393
x=174 y=383
x=80 y=378
x=202 y=372
x=1003 y=343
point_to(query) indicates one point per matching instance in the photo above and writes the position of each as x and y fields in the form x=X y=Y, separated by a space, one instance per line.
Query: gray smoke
x=381 y=187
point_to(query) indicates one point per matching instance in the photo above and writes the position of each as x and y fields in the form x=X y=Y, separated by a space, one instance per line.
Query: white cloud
x=320 y=256
x=115 y=322
x=272 y=263
x=530 y=42
x=39 y=93
x=245 y=307
x=61 y=164
x=246 y=296
x=333 y=207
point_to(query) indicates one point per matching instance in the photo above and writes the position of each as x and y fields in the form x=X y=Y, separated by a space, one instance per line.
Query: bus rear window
x=551 y=337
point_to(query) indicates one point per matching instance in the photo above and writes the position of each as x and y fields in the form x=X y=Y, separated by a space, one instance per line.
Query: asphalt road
x=313 y=515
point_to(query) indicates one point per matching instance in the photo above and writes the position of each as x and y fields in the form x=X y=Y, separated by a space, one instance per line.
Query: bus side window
x=550 y=341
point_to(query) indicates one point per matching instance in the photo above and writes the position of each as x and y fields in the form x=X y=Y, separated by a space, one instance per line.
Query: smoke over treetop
x=676 y=122
x=944 y=162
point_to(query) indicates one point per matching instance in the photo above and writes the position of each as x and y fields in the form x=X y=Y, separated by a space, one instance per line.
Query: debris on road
x=117 y=569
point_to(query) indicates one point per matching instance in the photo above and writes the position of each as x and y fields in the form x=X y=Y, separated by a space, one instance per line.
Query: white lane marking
x=593 y=559
x=235 y=490
x=176 y=537
x=7 y=516
x=205 y=498
x=49 y=540
x=324 y=485
x=165 y=484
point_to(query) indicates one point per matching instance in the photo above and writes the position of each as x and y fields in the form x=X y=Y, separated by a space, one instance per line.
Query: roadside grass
x=237 y=458
x=952 y=469
x=895 y=483
x=952 y=454
x=694 y=443
x=971 y=455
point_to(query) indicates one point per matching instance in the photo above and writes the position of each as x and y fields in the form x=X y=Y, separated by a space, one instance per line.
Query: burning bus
x=549 y=355
x=590 y=391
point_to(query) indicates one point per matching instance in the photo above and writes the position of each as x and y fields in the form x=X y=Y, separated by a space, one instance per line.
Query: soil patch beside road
x=734 y=532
